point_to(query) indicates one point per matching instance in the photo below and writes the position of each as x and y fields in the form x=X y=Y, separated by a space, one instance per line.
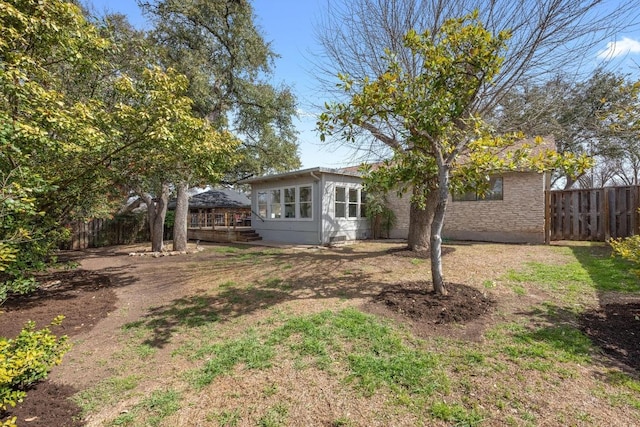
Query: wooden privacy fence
x=121 y=230
x=592 y=214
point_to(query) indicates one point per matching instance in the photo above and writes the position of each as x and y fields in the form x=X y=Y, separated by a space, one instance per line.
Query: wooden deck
x=223 y=234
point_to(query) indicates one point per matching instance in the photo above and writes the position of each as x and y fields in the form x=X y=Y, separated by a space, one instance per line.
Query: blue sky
x=289 y=26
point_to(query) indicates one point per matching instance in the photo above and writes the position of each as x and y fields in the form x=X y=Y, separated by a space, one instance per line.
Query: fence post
x=606 y=220
x=636 y=206
x=547 y=217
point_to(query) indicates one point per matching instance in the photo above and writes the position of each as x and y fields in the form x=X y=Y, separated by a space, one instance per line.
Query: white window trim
x=348 y=187
x=269 y=190
x=344 y=202
x=266 y=204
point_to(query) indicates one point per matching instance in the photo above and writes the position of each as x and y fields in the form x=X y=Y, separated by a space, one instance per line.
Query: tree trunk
x=419 y=228
x=436 y=230
x=376 y=226
x=420 y=221
x=568 y=183
x=156 y=211
x=181 y=218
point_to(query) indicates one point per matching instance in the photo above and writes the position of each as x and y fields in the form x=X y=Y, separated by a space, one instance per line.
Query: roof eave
x=297 y=173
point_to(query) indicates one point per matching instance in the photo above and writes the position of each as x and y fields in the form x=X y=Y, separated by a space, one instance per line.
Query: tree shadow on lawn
x=409 y=302
x=557 y=329
x=312 y=279
x=604 y=336
x=235 y=301
x=222 y=263
x=608 y=273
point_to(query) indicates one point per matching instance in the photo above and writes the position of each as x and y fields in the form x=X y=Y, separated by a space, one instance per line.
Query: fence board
x=557 y=209
x=621 y=197
x=117 y=231
x=594 y=228
x=575 y=213
x=593 y=214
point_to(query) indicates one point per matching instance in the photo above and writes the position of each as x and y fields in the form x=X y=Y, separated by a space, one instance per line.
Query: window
x=305 y=202
x=286 y=203
x=353 y=203
x=262 y=203
x=195 y=220
x=340 y=205
x=276 y=204
x=363 y=204
x=219 y=219
x=495 y=189
x=494 y=192
x=350 y=202
x=290 y=202
x=201 y=218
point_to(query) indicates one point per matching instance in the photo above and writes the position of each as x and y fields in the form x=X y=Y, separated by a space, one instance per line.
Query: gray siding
x=299 y=231
x=336 y=229
x=323 y=227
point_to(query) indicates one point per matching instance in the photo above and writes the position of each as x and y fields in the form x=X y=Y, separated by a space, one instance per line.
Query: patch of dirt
x=47 y=404
x=84 y=297
x=430 y=313
x=461 y=304
x=615 y=328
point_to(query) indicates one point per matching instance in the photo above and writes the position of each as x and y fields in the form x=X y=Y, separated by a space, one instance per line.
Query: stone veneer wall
x=518 y=218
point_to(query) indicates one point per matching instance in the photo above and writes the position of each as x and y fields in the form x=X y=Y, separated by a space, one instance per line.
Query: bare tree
x=627 y=170
x=547 y=36
x=583 y=120
x=603 y=173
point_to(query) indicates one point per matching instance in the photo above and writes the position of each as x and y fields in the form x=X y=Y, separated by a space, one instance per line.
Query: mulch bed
x=84 y=298
x=418 y=301
x=47 y=404
x=615 y=328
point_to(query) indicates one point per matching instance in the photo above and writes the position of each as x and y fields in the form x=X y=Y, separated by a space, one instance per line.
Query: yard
x=257 y=336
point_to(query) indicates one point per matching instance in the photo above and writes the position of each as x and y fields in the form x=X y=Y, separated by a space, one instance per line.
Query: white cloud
x=302 y=114
x=620 y=48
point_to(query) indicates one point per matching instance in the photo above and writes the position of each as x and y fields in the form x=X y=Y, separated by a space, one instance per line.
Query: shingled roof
x=217 y=198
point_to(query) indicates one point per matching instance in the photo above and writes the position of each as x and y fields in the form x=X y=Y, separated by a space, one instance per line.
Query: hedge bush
x=628 y=248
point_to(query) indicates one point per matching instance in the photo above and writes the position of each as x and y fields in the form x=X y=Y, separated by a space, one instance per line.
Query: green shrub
x=628 y=248
x=9 y=423
x=27 y=359
x=380 y=216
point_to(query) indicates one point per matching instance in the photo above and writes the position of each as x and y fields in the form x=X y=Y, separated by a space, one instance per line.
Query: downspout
x=319 y=209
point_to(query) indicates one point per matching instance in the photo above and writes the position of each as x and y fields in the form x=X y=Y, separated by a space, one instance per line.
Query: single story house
x=316 y=206
x=324 y=206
